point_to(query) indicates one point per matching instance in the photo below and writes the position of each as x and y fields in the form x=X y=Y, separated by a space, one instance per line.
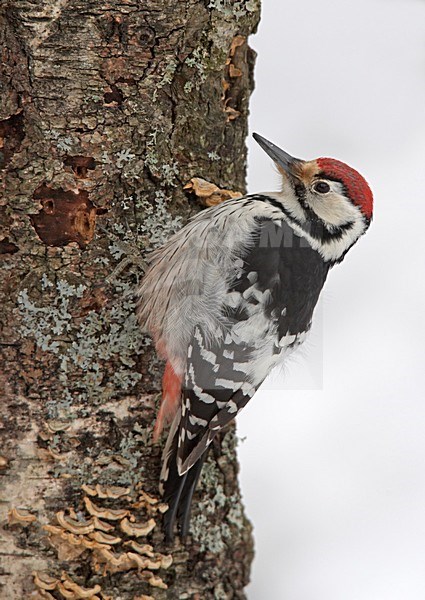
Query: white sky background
x=334 y=477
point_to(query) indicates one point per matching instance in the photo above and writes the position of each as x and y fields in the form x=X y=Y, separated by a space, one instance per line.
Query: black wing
x=212 y=395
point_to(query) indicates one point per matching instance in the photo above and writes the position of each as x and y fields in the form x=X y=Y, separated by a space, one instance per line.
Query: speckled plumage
x=229 y=296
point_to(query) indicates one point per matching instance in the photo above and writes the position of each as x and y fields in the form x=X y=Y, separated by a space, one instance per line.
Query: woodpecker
x=232 y=294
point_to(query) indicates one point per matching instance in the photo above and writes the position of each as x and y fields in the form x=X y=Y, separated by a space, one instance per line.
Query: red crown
x=357 y=187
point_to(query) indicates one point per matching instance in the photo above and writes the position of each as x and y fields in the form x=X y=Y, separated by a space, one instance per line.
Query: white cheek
x=289 y=200
x=333 y=208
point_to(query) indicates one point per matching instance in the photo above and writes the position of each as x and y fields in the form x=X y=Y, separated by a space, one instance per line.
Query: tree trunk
x=107 y=110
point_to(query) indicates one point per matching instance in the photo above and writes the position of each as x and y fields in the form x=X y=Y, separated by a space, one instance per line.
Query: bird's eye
x=322 y=187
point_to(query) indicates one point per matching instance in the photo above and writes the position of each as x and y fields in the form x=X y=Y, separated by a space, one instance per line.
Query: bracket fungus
x=18 y=516
x=109 y=550
x=208 y=193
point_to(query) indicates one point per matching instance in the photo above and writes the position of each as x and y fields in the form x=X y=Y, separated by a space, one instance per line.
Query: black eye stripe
x=321 y=187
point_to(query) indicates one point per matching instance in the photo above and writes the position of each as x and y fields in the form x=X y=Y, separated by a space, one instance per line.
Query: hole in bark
x=65 y=217
x=12 y=132
x=107 y=26
x=49 y=206
x=147 y=37
x=82 y=222
x=80 y=165
x=115 y=95
x=7 y=247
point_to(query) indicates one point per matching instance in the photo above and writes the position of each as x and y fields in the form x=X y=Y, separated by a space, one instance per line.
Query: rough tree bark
x=107 y=109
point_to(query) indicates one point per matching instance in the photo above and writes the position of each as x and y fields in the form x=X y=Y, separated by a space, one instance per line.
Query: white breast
x=190 y=277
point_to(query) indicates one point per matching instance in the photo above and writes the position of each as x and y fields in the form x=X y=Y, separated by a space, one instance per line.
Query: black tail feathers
x=178 y=493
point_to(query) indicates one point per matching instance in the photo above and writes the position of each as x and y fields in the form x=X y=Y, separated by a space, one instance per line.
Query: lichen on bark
x=107 y=110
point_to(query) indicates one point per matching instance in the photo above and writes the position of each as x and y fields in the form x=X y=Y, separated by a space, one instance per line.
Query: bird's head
x=331 y=201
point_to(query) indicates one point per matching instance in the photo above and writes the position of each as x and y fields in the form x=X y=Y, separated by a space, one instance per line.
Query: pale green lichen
x=232 y=9
x=211 y=536
x=60 y=406
x=166 y=172
x=220 y=593
x=65 y=143
x=235 y=515
x=198 y=59
x=210 y=479
x=40 y=322
x=215 y=536
x=124 y=156
x=99 y=337
x=45 y=282
x=229 y=443
x=101 y=260
x=125 y=202
x=169 y=172
x=116 y=250
x=169 y=71
x=117 y=467
x=158 y=224
x=107 y=165
x=123 y=162
x=167 y=76
x=188 y=87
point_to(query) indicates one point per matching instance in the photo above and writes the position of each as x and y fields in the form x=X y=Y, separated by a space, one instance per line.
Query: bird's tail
x=177 y=490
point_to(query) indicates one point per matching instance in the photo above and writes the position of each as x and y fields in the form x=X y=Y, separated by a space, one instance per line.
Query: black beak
x=284 y=160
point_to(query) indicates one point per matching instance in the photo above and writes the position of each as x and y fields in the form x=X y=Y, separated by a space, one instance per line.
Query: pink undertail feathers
x=171 y=390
